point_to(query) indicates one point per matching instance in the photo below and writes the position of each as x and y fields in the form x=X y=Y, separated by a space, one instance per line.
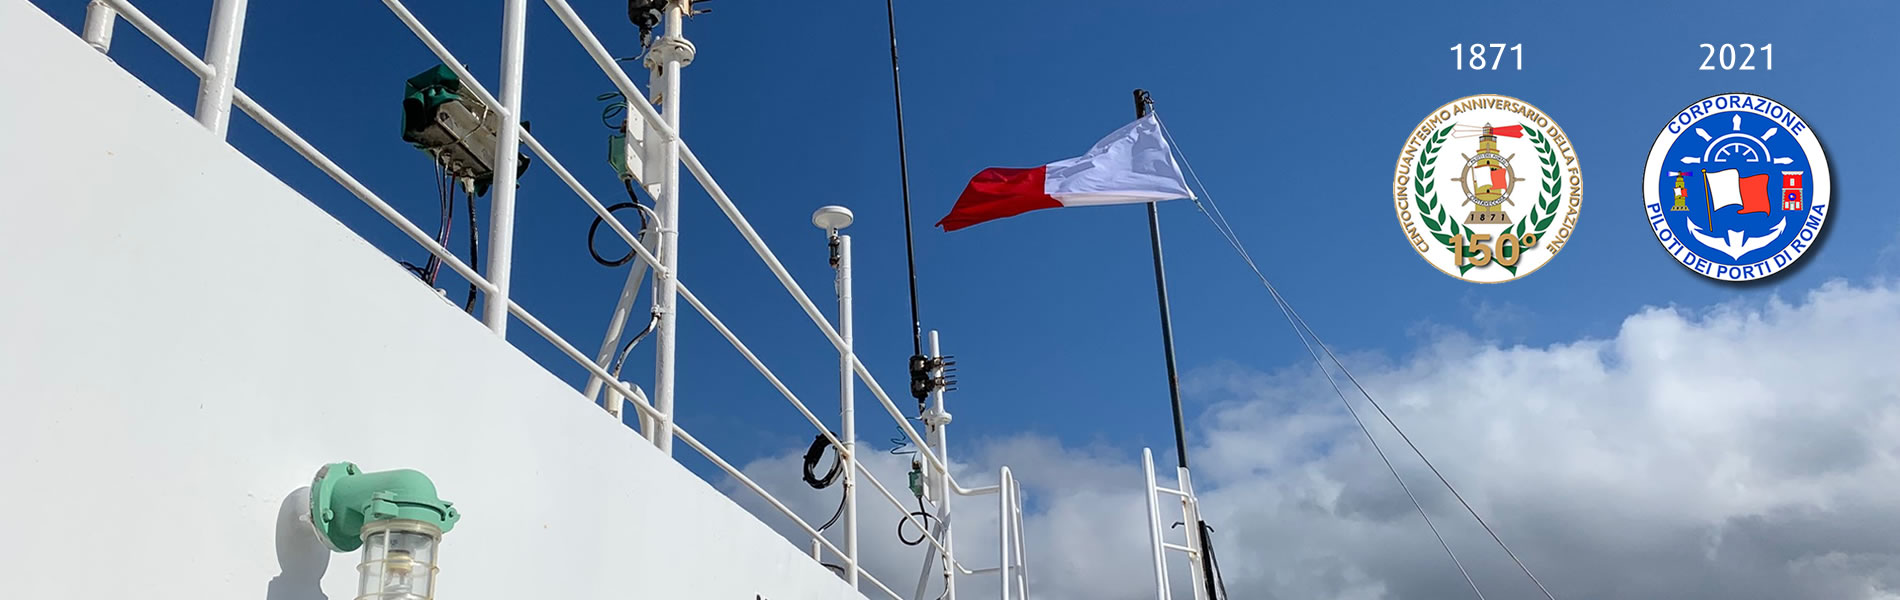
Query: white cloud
x=1738 y=451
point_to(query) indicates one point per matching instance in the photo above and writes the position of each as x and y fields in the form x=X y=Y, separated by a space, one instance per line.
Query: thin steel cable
x=1299 y=324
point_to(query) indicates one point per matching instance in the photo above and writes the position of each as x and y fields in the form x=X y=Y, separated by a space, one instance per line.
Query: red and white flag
x=1728 y=188
x=1132 y=165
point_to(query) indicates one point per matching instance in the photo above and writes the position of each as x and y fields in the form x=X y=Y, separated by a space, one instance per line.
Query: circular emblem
x=1487 y=188
x=1736 y=187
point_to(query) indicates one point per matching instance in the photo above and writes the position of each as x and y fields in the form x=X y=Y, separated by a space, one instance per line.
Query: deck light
x=394 y=516
x=444 y=118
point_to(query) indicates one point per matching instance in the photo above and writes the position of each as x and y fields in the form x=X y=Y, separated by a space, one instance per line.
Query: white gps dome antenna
x=831 y=218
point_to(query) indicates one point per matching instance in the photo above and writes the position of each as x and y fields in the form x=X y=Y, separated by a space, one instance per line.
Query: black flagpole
x=1142 y=103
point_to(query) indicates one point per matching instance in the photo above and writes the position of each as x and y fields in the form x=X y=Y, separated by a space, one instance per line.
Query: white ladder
x=1190 y=518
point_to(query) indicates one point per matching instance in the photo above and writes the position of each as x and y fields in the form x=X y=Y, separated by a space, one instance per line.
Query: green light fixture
x=394 y=516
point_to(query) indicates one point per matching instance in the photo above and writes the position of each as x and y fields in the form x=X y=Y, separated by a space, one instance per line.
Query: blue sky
x=1293 y=115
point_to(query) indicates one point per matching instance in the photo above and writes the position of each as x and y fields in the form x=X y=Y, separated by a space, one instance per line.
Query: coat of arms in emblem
x=1736 y=187
x=1488 y=188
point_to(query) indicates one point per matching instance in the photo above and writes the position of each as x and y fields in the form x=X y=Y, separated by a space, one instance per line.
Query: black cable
x=834 y=515
x=620 y=360
x=474 y=246
x=1207 y=542
x=593 y=229
x=812 y=454
x=434 y=266
x=924 y=517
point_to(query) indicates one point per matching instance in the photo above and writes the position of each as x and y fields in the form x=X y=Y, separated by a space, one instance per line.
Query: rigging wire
x=1301 y=328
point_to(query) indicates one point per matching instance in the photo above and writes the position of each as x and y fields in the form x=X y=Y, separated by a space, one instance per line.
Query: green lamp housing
x=343 y=499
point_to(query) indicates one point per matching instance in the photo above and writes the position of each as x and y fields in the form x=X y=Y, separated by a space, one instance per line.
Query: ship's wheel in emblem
x=1737 y=146
x=1487 y=178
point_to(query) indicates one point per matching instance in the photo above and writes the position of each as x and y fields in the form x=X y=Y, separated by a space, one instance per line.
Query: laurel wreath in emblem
x=1443 y=227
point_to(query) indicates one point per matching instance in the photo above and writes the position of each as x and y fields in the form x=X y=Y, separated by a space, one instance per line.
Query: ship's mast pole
x=668 y=55
x=847 y=399
x=1143 y=102
x=937 y=422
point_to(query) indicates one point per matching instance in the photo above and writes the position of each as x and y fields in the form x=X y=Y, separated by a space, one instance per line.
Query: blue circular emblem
x=1736 y=187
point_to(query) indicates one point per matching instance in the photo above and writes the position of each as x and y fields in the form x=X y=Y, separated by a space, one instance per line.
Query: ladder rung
x=1178 y=548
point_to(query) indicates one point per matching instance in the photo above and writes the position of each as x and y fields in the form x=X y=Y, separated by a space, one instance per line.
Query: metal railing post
x=1002 y=533
x=99 y=21
x=221 y=53
x=501 y=204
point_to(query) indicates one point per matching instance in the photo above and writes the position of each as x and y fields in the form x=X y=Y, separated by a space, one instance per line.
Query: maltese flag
x=1131 y=165
x=1729 y=188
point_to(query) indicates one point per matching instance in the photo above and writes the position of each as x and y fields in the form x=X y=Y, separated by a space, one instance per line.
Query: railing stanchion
x=222 y=44
x=501 y=213
x=99 y=21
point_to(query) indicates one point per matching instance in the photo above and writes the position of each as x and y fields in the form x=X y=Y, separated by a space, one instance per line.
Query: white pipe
x=1002 y=534
x=99 y=21
x=617 y=324
x=666 y=282
x=1022 y=554
x=501 y=205
x=938 y=421
x=1191 y=521
x=1154 y=526
x=221 y=53
x=847 y=408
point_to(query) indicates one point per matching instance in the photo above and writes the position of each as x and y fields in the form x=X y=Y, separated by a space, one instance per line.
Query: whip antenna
x=919 y=388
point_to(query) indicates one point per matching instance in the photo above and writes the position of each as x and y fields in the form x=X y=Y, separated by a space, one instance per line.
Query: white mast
x=937 y=422
x=668 y=55
x=832 y=219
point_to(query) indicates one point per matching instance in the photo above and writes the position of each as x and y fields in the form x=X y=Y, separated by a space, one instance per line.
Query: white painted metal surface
x=671 y=52
x=832 y=219
x=501 y=196
x=99 y=22
x=937 y=421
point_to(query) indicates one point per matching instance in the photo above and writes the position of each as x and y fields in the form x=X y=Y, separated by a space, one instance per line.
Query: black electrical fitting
x=922 y=384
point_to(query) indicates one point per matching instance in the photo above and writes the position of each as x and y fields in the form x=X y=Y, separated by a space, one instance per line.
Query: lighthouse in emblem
x=1790 y=190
